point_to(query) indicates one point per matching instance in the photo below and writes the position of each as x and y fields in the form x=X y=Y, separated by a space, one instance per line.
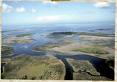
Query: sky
x=33 y=12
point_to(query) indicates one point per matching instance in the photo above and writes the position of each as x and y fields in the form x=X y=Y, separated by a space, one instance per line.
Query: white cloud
x=102 y=4
x=112 y=1
x=7 y=8
x=48 y=19
x=20 y=9
x=34 y=10
x=49 y=2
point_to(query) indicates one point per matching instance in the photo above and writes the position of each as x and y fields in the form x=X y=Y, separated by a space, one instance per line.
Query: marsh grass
x=80 y=65
x=27 y=67
x=46 y=47
x=93 y=50
x=6 y=50
x=81 y=33
x=84 y=70
x=22 y=35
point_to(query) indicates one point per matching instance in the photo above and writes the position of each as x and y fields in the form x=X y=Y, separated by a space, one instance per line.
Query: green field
x=22 y=35
x=93 y=50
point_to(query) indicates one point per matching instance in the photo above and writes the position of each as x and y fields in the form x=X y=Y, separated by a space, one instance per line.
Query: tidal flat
x=60 y=56
x=21 y=38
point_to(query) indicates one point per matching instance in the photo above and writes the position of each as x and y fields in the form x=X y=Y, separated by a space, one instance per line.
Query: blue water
x=81 y=27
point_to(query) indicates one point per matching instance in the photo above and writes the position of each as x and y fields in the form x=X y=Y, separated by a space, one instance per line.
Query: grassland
x=22 y=35
x=45 y=47
x=92 y=50
x=98 y=40
x=6 y=50
x=27 y=67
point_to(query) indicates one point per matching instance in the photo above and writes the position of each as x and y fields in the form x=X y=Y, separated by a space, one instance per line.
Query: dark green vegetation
x=63 y=33
x=27 y=67
x=22 y=35
x=93 y=50
x=81 y=33
x=95 y=34
x=6 y=50
x=60 y=35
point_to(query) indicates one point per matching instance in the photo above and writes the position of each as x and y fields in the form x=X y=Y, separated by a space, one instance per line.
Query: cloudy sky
x=33 y=12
